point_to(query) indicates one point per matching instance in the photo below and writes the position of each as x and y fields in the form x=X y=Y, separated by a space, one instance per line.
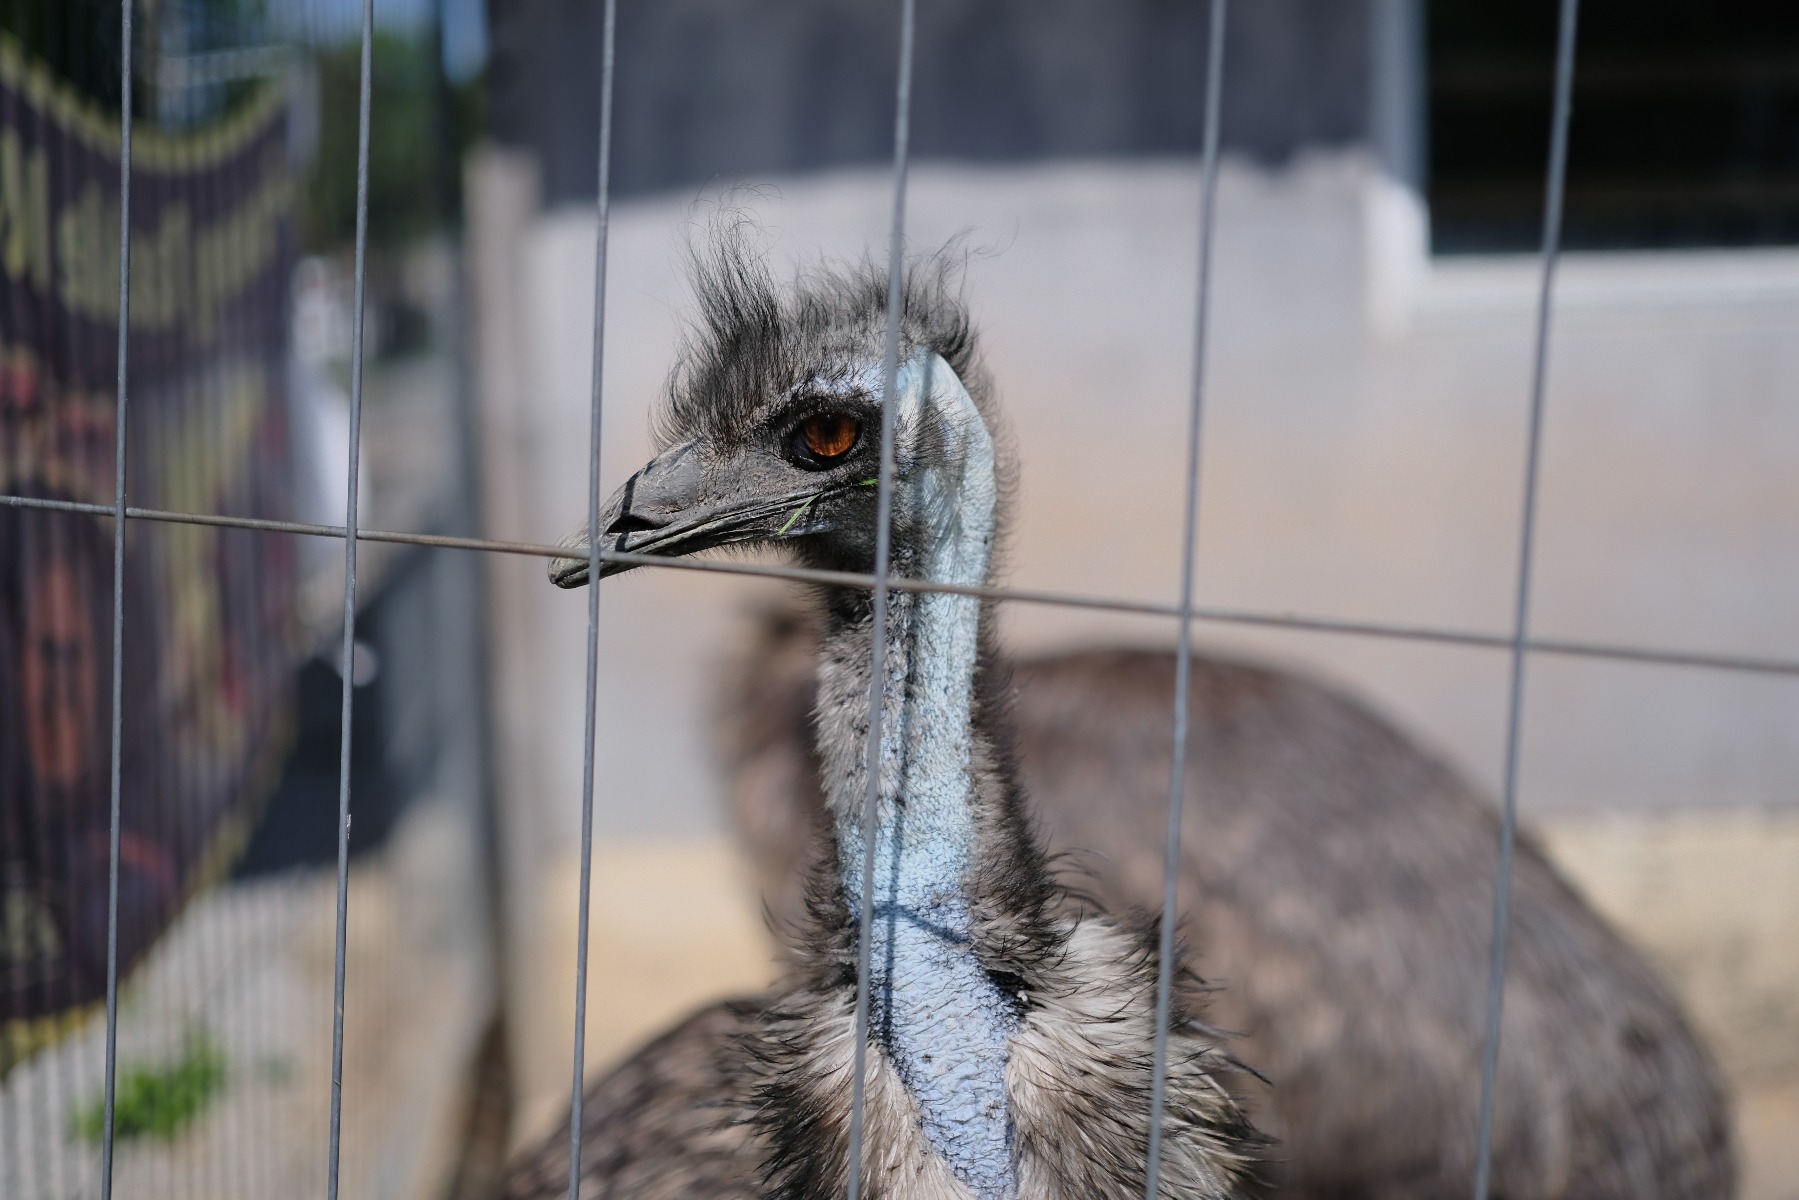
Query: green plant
x=158 y=1101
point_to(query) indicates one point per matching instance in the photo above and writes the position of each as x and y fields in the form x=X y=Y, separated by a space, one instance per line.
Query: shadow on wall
x=715 y=88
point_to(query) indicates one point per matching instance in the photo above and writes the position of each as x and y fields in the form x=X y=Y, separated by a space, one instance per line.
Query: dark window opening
x=1685 y=128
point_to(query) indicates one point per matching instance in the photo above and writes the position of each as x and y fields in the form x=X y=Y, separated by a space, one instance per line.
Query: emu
x=1339 y=882
x=1012 y=1022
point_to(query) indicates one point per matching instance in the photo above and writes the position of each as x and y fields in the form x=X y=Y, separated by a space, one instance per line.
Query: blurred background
x=1368 y=376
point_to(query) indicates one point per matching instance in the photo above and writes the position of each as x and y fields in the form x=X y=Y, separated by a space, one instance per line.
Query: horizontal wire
x=1562 y=647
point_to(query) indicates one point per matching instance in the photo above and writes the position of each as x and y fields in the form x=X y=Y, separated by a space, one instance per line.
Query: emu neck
x=925 y=828
x=936 y=1013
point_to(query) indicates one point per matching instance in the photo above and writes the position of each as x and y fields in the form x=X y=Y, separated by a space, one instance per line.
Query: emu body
x=1009 y=1050
x=1336 y=881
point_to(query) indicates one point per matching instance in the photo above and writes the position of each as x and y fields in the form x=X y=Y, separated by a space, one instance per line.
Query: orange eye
x=830 y=435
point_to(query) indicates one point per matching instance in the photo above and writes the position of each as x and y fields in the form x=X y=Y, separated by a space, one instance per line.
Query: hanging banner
x=208 y=612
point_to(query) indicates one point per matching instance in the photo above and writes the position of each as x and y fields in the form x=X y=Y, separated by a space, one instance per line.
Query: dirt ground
x=1713 y=900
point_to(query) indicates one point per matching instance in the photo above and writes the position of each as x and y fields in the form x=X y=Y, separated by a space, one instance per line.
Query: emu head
x=770 y=430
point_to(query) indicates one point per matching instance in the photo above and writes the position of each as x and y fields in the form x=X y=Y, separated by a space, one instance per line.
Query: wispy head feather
x=755 y=342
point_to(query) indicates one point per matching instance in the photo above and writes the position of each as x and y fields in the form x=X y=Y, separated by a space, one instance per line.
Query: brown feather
x=1337 y=881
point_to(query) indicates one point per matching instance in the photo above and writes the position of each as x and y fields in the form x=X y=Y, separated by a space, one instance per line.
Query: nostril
x=632 y=523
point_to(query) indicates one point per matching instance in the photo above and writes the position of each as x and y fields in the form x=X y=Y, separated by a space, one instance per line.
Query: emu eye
x=827 y=437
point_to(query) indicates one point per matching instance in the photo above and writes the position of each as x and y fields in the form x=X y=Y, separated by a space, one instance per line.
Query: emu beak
x=677 y=505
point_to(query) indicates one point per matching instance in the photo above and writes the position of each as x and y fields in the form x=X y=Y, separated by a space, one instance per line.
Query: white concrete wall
x=1349 y=472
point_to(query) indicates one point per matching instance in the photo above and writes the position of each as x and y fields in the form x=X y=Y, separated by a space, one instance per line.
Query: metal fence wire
x=1519 y=644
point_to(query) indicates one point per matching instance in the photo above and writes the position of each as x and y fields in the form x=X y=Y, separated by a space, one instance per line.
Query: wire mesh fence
x=181 y=84
x=188 y=870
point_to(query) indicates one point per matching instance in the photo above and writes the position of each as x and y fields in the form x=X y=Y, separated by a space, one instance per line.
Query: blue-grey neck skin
x=941 y=1019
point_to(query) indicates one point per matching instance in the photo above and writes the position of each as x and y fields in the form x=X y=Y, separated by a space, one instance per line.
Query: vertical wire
x=603 y=214
x=1502 y=892
x=118 y=604
x=1177 y=781
x=902 y=136
x=347 y=666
